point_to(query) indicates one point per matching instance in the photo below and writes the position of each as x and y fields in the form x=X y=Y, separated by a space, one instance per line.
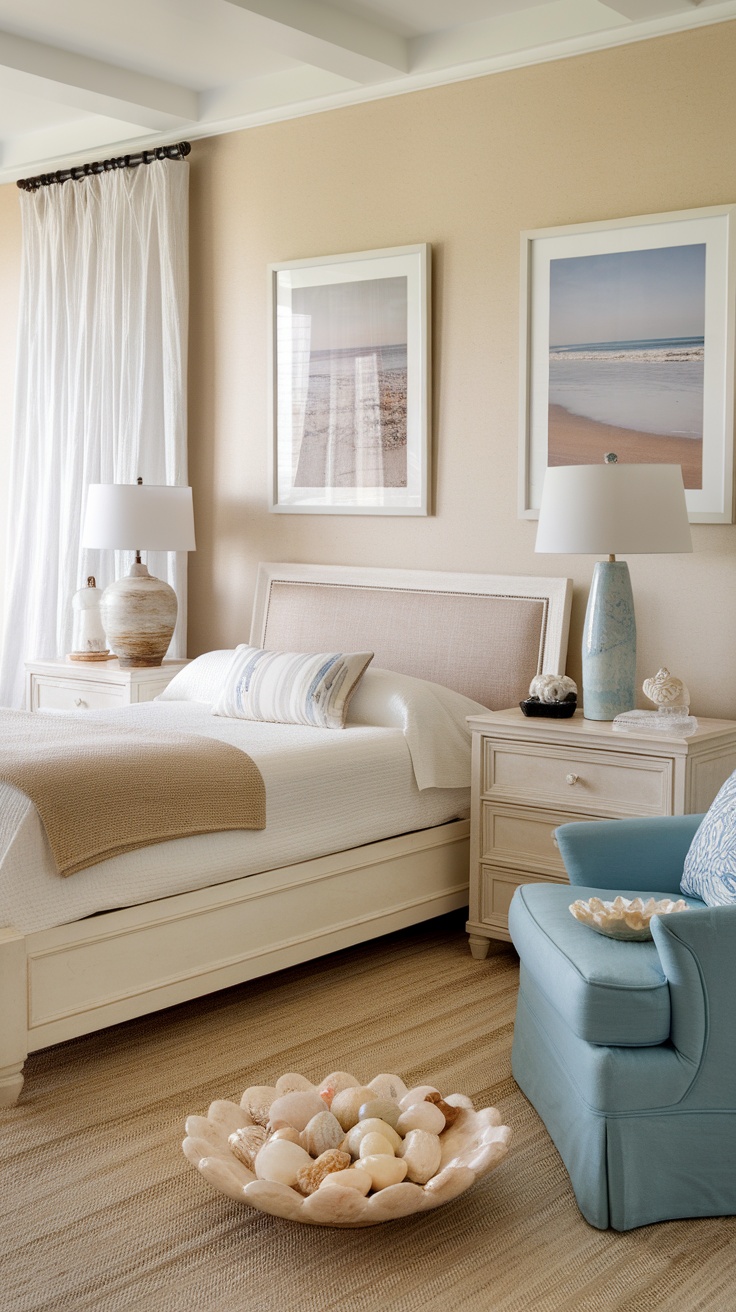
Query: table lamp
x=610 y=509
x=138 y=611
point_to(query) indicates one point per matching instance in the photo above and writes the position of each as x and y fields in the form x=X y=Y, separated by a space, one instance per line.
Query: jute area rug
x=101 y=1211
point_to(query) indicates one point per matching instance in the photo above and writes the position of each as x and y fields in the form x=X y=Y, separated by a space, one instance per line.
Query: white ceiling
x=86 y=79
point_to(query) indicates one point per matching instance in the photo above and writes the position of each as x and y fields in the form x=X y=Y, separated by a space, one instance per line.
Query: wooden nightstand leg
x=479 y=946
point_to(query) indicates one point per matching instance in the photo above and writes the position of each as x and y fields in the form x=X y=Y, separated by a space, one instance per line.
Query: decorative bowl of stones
x=344 y=1153
x=625 y=918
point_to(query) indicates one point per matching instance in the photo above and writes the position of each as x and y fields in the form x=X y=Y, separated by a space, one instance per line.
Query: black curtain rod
x=105 y=166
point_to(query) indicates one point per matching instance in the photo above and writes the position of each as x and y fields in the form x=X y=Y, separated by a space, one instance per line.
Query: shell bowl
x=470 y=1147
x=624 y=918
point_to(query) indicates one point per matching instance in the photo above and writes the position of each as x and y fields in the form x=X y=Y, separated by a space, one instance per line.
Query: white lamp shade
x=138 y=517
x=612 y=509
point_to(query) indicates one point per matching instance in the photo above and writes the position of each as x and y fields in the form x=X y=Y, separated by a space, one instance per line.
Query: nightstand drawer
x=66 y=685
x=498 y=888
x=68 y=696
x=580 y=780
x=523 y=837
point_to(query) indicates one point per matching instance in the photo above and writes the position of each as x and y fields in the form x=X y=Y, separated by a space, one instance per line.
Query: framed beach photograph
x=350 y=383
x=627 y=345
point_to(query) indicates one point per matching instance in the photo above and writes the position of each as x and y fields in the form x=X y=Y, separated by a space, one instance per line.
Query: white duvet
x=326 y=791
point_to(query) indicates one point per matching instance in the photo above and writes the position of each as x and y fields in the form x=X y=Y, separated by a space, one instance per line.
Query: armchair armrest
x=697 y=949
x=643 y=853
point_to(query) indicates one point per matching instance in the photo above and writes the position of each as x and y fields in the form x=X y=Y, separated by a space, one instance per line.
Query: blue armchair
x=628 y=1050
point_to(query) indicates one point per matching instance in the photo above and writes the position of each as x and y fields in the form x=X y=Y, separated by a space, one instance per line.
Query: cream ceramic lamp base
x=138 y=616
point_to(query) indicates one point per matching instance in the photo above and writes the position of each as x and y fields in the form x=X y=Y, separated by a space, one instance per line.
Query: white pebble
x=421 y=1116
x=421 y=1154
x=417 y=1094
x=391 y=1087
x=350 y=1178
x=373 y=1144
x=296 y=1109
x=383 y=1170
x=371 y=1126
x=280 y=1161
x=347 y=1103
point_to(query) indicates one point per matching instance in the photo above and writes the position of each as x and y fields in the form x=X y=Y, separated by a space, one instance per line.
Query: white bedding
x=329 y=791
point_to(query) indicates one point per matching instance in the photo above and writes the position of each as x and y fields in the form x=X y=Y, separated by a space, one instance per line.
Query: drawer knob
x=79 y=701
x=572 y=778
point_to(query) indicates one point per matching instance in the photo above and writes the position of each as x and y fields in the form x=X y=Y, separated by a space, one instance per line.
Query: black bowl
x=554 y=710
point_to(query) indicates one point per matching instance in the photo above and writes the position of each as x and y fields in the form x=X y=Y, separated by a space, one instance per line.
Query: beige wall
x=643 y=128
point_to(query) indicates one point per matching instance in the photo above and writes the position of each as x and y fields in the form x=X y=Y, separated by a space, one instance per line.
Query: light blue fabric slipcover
x=646 y=1128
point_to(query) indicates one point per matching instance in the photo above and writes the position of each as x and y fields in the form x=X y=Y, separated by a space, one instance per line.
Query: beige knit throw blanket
x=102 y=790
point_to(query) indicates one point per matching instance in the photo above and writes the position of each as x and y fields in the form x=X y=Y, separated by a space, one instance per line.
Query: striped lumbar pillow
x=290 y=687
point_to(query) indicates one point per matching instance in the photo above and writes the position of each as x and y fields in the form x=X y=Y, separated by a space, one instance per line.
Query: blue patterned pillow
x=710 y=865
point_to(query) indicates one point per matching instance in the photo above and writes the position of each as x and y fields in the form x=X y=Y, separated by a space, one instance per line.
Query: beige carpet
x=99 y=1209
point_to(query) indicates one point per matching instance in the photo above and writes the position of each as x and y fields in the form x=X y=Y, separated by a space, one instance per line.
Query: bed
x=233 y=910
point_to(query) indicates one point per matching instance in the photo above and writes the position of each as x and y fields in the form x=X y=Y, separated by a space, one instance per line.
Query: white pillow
x=291 y=687
x=431 y=717
x=200 y=681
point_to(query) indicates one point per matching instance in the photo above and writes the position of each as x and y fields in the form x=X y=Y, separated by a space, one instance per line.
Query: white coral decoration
x=552 y=687
x=665 y=690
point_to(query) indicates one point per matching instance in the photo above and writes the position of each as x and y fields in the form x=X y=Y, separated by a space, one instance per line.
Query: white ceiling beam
x=94 y=86
x=640 y=10
x=328 y=38
x=293 y=87
x=517 y=30
x=66 y=143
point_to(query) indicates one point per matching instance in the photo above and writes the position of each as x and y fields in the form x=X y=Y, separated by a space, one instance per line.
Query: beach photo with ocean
x=626 y=358
x=349 y=384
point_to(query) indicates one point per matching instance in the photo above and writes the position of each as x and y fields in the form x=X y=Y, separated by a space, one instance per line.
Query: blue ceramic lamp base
x=609 y=643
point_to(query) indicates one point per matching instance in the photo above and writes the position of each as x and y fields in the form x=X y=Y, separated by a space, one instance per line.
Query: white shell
x=552 y=687
x=257 y=1100
x=321 y=1133
x=665 y=690
x=246 y=1143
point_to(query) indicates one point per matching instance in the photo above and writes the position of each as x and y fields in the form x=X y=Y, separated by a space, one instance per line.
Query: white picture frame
x=639 y=275
x=349 y=392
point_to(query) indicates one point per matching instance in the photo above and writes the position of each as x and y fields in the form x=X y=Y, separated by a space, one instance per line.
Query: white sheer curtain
x=100 y=389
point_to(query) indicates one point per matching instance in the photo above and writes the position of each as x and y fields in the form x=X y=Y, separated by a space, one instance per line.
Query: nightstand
x=531 y=775
x=65 y=685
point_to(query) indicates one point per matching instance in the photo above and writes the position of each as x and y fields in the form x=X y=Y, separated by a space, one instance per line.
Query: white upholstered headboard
x=485 y=635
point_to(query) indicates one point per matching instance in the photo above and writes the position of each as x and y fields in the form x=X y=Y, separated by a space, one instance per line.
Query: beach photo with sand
x=626 y=358
x=349 y=384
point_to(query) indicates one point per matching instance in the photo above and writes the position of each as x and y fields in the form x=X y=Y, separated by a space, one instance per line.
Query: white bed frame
x=74 y=979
